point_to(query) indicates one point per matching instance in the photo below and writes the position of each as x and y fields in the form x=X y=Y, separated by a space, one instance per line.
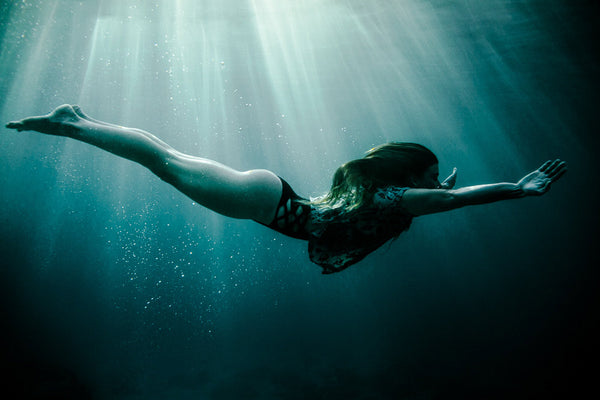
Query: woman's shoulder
x=388 y=196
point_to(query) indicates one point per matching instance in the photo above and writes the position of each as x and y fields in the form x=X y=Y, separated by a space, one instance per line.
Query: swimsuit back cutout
x=291 y=215
x=339 y=237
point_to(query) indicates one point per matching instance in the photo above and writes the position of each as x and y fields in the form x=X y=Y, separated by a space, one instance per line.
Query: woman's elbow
x=447 y=200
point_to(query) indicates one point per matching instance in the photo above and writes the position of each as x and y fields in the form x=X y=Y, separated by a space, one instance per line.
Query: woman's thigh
x=250 y=194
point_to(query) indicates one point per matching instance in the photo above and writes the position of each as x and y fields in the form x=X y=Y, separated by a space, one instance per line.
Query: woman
x=372 y=199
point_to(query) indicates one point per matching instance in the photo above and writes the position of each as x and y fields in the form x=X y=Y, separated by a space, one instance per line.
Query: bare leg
x=251 y=194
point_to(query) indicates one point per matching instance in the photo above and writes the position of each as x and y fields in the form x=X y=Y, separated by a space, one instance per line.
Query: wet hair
x=389 y=164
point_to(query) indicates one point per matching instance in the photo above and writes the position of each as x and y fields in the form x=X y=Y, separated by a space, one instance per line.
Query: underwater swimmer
x=372 y=199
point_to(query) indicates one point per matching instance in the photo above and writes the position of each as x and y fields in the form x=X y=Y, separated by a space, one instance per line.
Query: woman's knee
x=167 y=166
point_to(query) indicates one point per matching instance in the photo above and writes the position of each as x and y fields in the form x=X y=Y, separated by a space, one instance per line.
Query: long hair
x=389 y=164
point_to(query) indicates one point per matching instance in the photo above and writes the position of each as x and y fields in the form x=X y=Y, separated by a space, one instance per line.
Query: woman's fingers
x=559 y=172
x=545 y=166
x=556 y=169
x=550 y=166
x=553 y=166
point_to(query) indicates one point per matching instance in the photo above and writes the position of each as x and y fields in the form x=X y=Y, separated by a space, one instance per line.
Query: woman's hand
x=538 y=182
x=450 y=181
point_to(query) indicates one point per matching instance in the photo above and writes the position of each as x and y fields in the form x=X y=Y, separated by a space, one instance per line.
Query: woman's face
x=429 y=178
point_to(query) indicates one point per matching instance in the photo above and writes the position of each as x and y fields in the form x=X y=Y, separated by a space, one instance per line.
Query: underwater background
x=116 y=286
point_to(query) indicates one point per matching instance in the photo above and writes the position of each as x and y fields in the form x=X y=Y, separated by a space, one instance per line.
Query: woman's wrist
x=519 y=191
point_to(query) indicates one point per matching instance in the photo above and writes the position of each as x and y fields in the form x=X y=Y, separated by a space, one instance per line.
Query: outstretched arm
x=536 y=183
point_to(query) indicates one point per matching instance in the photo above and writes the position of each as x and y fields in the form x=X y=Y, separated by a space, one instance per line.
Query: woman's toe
x=14 y=125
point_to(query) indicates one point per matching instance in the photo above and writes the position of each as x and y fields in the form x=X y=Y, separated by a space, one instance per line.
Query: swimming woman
x=372 y=199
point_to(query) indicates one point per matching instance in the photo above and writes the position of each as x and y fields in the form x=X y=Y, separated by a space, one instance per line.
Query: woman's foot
x=58 y=122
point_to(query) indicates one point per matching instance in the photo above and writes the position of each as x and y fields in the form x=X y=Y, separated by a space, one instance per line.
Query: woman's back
x=340 y=237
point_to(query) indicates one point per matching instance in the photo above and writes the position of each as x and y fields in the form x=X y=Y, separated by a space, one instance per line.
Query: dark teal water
x=115 y=286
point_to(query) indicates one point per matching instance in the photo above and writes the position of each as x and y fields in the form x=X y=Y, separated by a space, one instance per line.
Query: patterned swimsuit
x=338 y=237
